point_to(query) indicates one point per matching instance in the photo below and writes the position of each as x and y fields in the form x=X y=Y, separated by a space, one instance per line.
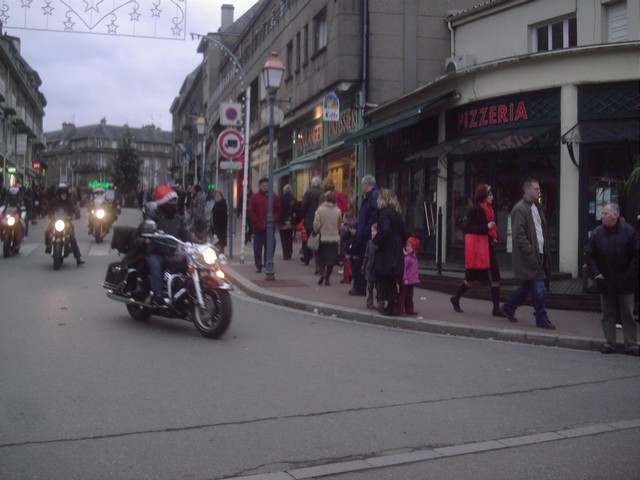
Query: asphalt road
x=87 y=392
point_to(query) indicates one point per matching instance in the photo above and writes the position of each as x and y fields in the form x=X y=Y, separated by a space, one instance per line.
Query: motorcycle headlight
x=100 y=213
x=11 y=221
x=59 y=225
x=209 y=255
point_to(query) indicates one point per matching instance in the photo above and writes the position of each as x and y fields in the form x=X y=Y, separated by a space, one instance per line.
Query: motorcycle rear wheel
x=214 y=320
x=57 y=255
x=139 y=314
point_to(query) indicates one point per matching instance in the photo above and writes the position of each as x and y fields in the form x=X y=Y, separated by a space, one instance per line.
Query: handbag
x=313 y=242
x=476 y=252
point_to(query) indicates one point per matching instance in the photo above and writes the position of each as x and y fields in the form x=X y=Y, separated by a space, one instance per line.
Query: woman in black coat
x=288 y=221
x=481 y=235
x=219 y=220
x=389 y=241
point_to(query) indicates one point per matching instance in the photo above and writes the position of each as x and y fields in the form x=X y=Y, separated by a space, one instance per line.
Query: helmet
x=62 y=188
x=164 y=194
x=149 y=227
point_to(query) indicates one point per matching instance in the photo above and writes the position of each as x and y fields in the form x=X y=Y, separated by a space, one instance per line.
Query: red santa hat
x=164 y=194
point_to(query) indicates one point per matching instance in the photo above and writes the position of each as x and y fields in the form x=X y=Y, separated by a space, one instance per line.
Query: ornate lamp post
x=272 y=74
x=201 y=123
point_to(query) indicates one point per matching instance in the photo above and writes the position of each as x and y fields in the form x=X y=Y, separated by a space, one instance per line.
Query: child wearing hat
x=409 y=277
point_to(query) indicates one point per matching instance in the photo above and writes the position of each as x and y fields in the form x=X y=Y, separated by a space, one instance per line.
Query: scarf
x=488 y=212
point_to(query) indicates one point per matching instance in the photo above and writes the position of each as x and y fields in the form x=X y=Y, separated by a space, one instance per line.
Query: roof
x=475 y=9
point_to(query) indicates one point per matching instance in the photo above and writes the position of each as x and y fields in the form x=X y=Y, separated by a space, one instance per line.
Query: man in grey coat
x=530 y=256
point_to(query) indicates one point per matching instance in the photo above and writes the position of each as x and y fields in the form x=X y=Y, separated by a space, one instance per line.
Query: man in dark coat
x=612 y=257
x=310 y=202
x=531 y=259
x=288 y=221
x=366 y=218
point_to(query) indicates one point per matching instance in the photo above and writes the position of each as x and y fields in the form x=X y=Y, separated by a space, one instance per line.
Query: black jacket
x=389 y=241
x=173 y=226
x=613 y=253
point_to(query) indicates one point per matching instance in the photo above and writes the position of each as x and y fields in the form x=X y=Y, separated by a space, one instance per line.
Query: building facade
x=83 y=156
x=21 y=113
x=434 y=102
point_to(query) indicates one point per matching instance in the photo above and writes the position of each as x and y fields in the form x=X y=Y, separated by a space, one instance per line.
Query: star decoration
x=112 y=26
x=135 y=15
x=3 y=16
x=177 y=31
x=68 y=25
x=155 y=11
x=47 y=9
x=92 y=7
x=26 y=3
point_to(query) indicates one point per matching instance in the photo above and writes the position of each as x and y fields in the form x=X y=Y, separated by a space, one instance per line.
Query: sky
x=124 y=79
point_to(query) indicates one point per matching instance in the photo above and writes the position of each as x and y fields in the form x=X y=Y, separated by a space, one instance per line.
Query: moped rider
x=63 y=201
x=170 y=222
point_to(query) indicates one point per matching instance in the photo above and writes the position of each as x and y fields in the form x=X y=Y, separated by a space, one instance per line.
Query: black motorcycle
x=60 y=239
x=195 y=287
x=12 y=229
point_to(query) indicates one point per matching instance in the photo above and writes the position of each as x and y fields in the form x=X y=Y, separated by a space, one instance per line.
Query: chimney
x=227 y=16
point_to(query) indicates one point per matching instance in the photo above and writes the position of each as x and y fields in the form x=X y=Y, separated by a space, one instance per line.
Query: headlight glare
x=209 y=255
x=100 y=213
x=59 y=225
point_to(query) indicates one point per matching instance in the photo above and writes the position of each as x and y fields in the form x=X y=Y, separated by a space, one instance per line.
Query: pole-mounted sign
x=231 y=143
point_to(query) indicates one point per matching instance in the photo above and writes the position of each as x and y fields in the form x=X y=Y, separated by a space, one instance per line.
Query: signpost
x=229 y=165
x=231 y=143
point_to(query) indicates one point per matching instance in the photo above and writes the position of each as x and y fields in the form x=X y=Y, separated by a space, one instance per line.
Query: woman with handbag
x=480 y=238
x=327 y=222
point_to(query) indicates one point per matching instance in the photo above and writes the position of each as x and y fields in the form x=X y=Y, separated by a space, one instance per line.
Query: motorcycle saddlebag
x=116 y=272
x=123 y=238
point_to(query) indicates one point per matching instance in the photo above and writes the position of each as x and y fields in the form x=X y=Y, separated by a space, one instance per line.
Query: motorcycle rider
x=99 y=199
x=63 y=201
x=167 y=219
x=15 y=198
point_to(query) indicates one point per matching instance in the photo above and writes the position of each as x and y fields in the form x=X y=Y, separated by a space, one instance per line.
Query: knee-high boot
x=329 y=269
x=495 y=297
x=455 y=300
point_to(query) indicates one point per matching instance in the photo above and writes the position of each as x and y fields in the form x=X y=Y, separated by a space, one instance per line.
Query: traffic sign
x=229 y=165
x=230 y=114
x=230 y=143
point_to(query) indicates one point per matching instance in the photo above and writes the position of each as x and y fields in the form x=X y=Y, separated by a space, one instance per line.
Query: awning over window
x=604 y=131
x=397 y=121
x=515 y=138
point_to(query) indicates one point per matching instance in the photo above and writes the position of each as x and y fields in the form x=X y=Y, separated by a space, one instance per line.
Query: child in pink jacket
x=409 y=278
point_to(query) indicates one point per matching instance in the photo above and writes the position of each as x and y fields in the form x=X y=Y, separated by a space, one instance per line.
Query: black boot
x=495 y=297
x=455 y=300
x=329 y=270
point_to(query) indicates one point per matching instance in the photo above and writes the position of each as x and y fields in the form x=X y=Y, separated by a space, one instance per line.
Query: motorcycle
x=12 y=229
x=99 y=222
x=195 y=286
x=60 y=239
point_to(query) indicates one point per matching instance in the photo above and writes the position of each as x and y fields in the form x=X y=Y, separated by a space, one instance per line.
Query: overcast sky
x=133 y=80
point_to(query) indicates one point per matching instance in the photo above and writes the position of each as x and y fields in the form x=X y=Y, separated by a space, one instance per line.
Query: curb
x=410 y=323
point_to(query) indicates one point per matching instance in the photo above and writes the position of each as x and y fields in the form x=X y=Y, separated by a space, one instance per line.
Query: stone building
x=82 y=156
x=21 y=112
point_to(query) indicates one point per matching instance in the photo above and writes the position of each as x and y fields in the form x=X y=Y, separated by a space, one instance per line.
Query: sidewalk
x=295 y=286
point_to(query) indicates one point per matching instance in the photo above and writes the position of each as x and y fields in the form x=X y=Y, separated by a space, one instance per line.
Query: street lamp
x=201 y=123
x=272 y=74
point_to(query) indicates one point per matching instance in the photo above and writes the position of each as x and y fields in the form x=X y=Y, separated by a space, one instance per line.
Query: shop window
x=289 y=62
x=556 y=35
x=305 y=40
x=298 y=52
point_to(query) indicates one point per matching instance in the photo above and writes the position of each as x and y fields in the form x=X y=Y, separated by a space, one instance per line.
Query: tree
x=126 y=167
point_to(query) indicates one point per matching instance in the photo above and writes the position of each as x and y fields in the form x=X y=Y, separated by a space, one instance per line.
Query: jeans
x=155 y=264
x=260 y=249
x=537 y=290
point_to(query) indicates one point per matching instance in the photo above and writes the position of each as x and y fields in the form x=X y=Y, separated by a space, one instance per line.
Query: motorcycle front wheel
x=214 y=320
x=98 y=233
x=57 y=255
x=6 y=246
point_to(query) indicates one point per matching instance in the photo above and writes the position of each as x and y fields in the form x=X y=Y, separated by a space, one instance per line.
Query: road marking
x=441 y=452
x=99 y=249
x=90 y=249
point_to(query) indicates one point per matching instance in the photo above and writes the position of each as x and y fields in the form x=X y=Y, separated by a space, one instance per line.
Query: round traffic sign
x=230 y=143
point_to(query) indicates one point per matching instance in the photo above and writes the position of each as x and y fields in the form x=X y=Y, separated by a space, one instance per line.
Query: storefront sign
x=35 y=166
x=331 y=108
x=21 y=144
x=308 y=138
x=345 y=124
x=501 y=113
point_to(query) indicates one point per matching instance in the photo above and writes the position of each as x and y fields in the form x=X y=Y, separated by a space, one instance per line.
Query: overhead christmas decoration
x=129 y=18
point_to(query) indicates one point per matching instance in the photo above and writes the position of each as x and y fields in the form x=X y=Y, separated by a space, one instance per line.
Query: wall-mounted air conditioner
x=454 y=64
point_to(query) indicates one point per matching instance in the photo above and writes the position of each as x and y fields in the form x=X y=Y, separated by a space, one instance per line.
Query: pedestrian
x=341 y=200
x=612 y=258
x=345 y=234
x=219 y=218
x=480 y=238
x=530 y=256
x=389 y=242
x=369 y=272
x=327 y=221
x=257 y=214
x=367 y=216
x=410 y=278
x=351 y=251
x=288 y=219
x=198 y=213
x=310 y=202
